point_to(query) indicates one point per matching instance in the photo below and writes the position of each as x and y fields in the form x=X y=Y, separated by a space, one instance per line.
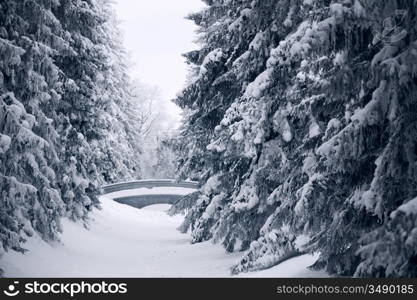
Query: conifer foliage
x=64 y=128
x=302 y=124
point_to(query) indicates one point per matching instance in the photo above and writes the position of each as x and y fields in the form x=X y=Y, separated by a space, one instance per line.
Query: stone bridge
x=142 y=193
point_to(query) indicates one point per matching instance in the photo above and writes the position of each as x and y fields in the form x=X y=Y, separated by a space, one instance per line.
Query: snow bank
x=122 y=241
x=294 y=267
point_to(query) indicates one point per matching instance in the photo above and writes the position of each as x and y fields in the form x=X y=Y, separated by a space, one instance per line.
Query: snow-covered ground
x=294 y=267
x=123 y=241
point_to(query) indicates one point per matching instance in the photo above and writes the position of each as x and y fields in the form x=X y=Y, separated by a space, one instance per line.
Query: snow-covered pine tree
x=97 y=72
x=30 y=196
x=64 y=128
x=302 y=125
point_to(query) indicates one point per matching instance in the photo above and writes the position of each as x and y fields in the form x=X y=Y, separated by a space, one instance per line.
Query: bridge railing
x=116 y=187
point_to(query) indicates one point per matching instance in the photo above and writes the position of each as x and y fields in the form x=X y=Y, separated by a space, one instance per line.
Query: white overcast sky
x=156 y=34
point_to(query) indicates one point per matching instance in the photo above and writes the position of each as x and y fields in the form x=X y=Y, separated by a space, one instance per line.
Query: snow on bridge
x=143 y=193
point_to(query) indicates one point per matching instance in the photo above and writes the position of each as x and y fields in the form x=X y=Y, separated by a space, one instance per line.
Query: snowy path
x=123 y=241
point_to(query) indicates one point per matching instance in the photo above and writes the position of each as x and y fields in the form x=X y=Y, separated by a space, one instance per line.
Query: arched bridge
x=142 y=193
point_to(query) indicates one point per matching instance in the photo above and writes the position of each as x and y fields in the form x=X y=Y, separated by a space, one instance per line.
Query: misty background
x=156 y=34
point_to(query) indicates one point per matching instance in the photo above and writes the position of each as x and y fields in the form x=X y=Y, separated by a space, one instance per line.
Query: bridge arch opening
x=142 y=193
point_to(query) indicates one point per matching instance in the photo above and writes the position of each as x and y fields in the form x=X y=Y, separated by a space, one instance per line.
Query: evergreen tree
x=64 y=123
x=302 y=125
